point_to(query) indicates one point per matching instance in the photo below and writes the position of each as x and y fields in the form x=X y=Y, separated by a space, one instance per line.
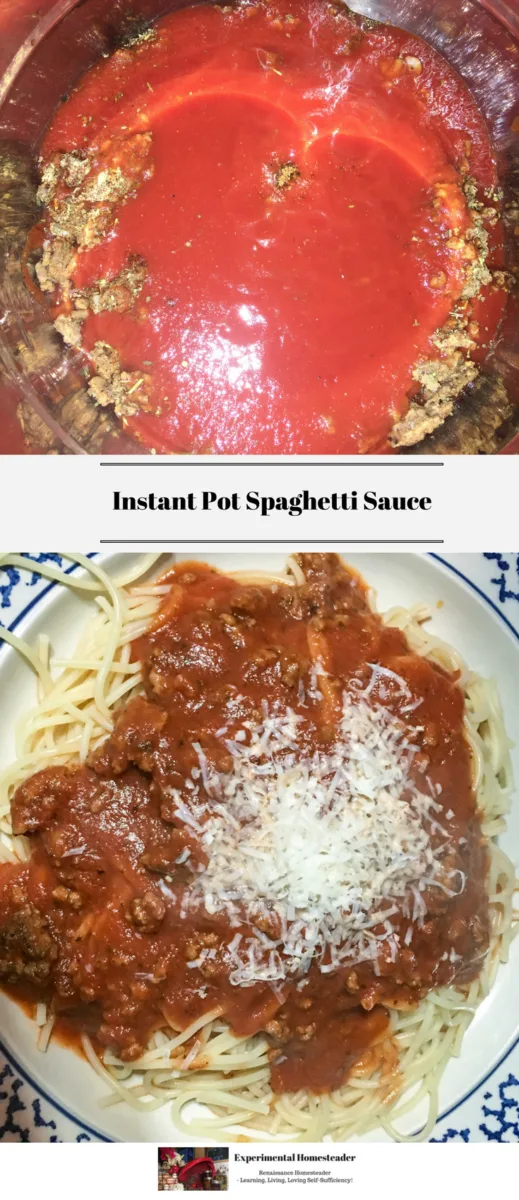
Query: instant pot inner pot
x=481 y=41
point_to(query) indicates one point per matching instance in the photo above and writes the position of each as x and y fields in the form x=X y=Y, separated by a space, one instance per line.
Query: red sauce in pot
x=293 y=231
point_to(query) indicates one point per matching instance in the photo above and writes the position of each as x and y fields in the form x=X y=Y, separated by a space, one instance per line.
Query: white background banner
x=386 y=502
x=368 y=1172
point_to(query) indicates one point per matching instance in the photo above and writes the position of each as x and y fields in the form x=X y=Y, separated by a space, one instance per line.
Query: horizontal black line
x=151 y=462
x=272 y=541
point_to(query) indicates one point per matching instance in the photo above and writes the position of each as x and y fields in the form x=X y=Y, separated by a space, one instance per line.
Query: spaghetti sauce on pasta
x=104 y=921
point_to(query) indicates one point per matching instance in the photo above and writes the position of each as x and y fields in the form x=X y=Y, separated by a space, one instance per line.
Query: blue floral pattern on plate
x=26 y=1117
x=508 y=579
x=490 y=1113
x=10 y=577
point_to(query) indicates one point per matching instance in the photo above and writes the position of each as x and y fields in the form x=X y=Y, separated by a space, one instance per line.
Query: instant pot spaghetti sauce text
x=268 y=227
x=166 y=878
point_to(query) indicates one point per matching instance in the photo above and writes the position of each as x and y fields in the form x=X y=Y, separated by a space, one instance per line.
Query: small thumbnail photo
x=193 y=1168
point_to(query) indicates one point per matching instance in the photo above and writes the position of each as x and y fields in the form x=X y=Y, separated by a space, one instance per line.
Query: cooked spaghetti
x=250 y=850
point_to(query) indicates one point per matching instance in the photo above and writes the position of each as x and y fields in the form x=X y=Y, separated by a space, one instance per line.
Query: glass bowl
x=479 y=38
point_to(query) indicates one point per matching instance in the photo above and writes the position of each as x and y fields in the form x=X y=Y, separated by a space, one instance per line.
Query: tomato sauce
x=95 y=922
x=300 y=224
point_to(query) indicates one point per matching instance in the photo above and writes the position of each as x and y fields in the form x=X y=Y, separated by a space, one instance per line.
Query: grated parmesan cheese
x=325 y=848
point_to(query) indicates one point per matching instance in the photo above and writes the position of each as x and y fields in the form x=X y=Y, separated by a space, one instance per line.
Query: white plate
x=54 y=1096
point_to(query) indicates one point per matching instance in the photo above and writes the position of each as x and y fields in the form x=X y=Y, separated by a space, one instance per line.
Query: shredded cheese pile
x=318 y=851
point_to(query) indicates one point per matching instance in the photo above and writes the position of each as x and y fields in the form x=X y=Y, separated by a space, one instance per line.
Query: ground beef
x=37 y=801
x=135 y=739
x=126 y=391
x=441 y=384
x=118 y=294
x=328 y=589
x=27 y=950
x=70 y=328
x=56 y=264
x=147 y=912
